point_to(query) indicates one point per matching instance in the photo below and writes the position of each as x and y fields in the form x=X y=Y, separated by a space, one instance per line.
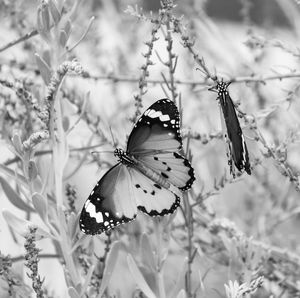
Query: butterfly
x=149 y=175
x=237 y=148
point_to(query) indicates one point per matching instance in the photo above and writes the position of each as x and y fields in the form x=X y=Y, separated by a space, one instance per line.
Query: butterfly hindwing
x=156 y=141
x=151 y=198
x=110 y=203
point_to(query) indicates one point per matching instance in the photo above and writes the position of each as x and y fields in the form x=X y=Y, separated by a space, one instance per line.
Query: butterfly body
x=237 y=148
x=148 y=177
x=131 y=161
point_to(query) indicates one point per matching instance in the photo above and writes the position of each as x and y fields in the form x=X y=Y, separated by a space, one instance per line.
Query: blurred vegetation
x=73 y=71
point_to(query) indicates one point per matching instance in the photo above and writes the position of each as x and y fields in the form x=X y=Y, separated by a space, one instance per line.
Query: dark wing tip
x=89 y=226
x=248 y=168
x=93 y=221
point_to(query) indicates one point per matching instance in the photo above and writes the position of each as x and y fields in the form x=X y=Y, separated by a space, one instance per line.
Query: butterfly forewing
x=237 y=145
x=156 y=141
x=110 y=203
x=156 y=130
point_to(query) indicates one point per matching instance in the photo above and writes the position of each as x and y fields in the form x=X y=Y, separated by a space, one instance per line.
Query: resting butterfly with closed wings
x=237 y=149
x=147 y=176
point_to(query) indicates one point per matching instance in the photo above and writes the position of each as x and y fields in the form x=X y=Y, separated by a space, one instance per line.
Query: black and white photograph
x=150 y=149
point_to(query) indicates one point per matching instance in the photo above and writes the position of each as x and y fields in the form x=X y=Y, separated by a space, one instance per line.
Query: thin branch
x=41 y=256
x=127 y=79
x=44 y=152
x=18 y=40
x=264 y=78
x=83 y=35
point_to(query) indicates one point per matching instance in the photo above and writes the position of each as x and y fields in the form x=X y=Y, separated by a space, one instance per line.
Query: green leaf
x=180 y=282
x=73 y=225
x=40 y=204
x=111 y=262
x=181 y=294
x=74 y=10
x=139 y=278
x=54 y=11
x=43 y=68
x=32 y=170
x=9 y=172
x=21 y=226
x=65 y=33
x=46 y=56
x=87 y=280
x=42 y=27
x=45 y=18
x=37 y=184
x=148 y=254
x=67 y=27
x=73 y=293
x=16 y=140
x=14 y=197
x=63 y=38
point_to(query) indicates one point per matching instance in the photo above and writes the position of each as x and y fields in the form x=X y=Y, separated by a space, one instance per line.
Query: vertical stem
x=171 y=65
x=188 y=217
x=159 y=262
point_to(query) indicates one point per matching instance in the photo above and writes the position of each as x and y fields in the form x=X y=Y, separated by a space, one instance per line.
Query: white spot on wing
x=154 y=114
x=91 y=209
x=164 y=118
x=98 y=216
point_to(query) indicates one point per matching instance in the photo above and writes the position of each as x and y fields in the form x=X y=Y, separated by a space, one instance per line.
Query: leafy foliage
x=77 y=79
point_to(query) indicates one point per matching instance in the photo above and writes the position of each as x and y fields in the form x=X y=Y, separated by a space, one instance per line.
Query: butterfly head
x=123 y=157
x=220 y=87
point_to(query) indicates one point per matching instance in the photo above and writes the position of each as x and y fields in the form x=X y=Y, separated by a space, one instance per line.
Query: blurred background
x=252 y=43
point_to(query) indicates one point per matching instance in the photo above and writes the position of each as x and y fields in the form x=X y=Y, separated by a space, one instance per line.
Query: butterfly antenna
x=104 y=151
x=112 y=137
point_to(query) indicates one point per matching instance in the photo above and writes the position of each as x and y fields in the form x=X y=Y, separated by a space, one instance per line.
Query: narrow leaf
x=63 y=38
x=180 y=279
x=67 y=27
x=41 y=206
x=87 y=280
x=138 y=277
x=111 y=262
x=181 y=294
x=32 y=170
x=43 y=68
x=9 y=172
x=16 y=140
x=46 y=56
x=148 y=253
x=21 y=226
x=73 y=225
x=37 y=184
x=54 y=11
x=14 y=197
x=45 y=18
x=73 y=293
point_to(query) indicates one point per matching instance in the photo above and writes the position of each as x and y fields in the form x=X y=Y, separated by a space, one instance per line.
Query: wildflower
x=32 y=260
